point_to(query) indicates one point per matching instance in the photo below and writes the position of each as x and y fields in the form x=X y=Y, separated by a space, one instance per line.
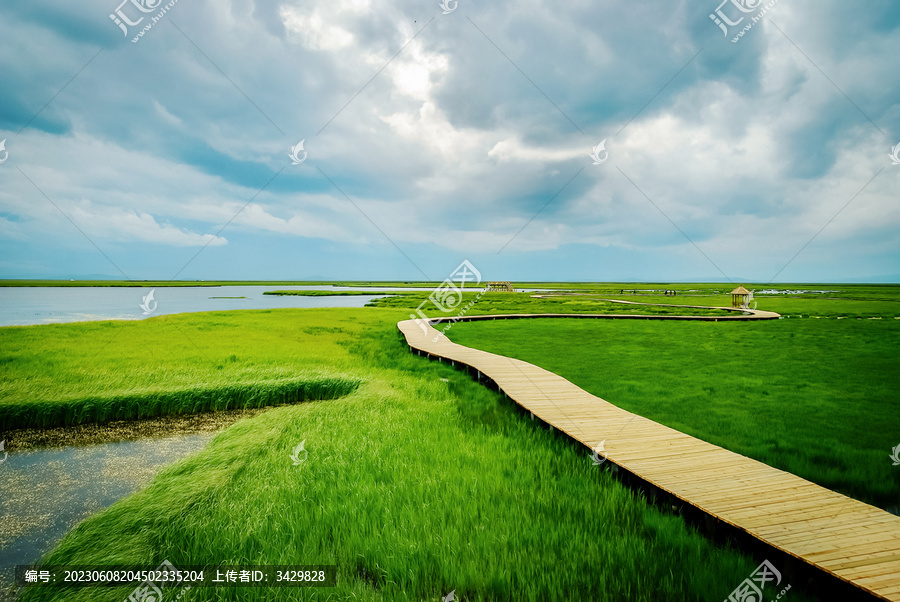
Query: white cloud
x=318 y=31
x=126 y=226
x=513 y=149
x=451 y=148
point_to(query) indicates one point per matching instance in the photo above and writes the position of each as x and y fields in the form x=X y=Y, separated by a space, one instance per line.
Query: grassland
x=418 y=480
x=98 y=371
x=815 y=397
x=505 y=303
x=336 y=293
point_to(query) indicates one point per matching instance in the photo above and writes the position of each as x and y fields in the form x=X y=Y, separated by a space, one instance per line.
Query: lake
x=21 y=306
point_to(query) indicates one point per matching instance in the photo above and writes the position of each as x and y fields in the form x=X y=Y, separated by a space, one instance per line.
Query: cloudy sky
x=430 y=138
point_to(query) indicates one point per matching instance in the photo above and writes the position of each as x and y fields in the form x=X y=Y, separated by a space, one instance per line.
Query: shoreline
x=124 y=430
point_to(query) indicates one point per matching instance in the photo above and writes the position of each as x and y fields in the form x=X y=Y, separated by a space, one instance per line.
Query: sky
x=605 y=140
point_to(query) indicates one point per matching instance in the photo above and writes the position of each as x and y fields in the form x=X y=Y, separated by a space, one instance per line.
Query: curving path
x=853 y=541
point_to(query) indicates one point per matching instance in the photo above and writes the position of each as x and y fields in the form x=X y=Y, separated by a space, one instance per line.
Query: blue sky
x=434 y=138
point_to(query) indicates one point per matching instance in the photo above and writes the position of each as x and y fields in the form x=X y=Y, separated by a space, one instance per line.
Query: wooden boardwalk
x=855 y=542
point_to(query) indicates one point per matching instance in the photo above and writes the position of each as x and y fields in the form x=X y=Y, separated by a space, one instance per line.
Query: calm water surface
x=45 y=305
x=46 y=492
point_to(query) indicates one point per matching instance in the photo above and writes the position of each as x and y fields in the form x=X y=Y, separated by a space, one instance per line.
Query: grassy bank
x=331 y=293
x=97 y=371
x=505 y=303
x=150 y=403
x=817 y=398
x=801 y=300
x=417 y=482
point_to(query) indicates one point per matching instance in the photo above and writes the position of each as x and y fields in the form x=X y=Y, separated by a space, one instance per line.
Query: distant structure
x=740 y=297
x=647 y=291
x=494 y=287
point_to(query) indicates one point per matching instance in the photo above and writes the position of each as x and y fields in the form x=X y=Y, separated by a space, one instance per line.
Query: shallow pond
x=45 y=492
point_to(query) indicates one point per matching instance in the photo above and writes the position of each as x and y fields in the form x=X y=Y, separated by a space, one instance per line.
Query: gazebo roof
x=740 y=291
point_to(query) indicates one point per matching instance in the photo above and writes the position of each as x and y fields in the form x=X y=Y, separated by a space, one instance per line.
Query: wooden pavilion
x=740 y=297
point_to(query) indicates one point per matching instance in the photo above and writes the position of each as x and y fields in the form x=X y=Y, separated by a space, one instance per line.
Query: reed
x=104 y=408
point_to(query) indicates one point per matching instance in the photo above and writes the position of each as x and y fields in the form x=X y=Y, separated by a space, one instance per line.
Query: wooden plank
x=845 y=549
x=855 y=542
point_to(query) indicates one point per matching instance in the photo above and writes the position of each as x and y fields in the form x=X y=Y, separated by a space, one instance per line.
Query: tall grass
x=817 y=398
x=150 y=404
x=491 y=303
x=418 y=482
x=99 y=371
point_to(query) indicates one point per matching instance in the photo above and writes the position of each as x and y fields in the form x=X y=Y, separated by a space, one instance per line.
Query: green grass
x=413 y=486
x=293 y=293
x=817 y=398
x=505 y=303
x=847 y=301
x=98 y=371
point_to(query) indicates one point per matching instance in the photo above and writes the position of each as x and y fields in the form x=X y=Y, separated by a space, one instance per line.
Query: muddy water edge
x=54 y=478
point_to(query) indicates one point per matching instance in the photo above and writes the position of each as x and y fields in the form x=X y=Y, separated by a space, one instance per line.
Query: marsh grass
x=492 y=303
x=417 y=482
x=413 y=487
x=842 y=300
x=335 y=293
x=817 y=398
x=150 y=404
x=99 y=371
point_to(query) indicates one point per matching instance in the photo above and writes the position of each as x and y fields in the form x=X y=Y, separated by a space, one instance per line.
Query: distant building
x=740 y=297
x=499 y=286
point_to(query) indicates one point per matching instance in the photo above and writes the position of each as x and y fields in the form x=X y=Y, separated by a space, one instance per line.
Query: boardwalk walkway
x=855 y=542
